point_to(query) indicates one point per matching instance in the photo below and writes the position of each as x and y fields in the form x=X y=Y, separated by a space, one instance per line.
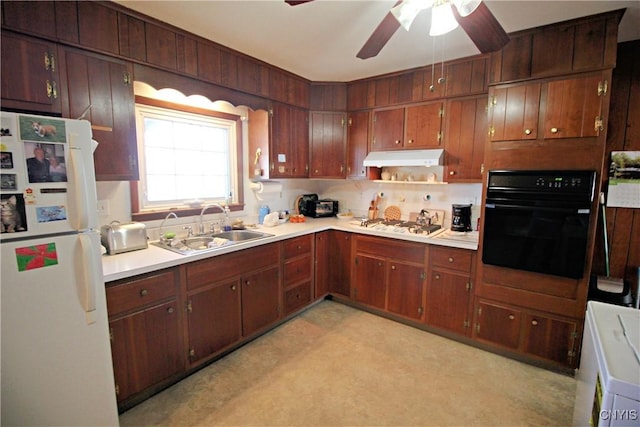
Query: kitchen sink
x=240 y=235
x=210 y=242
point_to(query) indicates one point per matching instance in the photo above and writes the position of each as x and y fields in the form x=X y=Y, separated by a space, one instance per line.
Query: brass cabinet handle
x=554 y=130
x=393 y=267
x=170 y=310
x=527 y=131
x=410 y=141
x=144 y=292
x=512 y=317
x=247 y=282
x=534 y=322
x=451 y=173
x=233 y=287
x=437 y=277
x=450 y=259
x=192 y=352
x=397 y=141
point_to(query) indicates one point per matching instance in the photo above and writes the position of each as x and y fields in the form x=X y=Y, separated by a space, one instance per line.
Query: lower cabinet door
x=260 y=300
x=549 y=338
x=448 y=297
x=497 y=324
x=151 y=341
x=213 y=317
x=370 y=281
x=405 y=286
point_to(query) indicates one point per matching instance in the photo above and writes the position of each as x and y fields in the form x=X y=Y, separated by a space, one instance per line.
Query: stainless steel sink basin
x=241 y=235
x=211 y=242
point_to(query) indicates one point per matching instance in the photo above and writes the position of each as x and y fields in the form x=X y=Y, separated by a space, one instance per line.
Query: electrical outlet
x=103 y=207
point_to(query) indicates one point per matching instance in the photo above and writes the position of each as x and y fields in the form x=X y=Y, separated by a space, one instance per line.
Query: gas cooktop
x=400 y=226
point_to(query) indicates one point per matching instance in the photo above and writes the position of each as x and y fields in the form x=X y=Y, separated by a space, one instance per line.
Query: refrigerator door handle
x=79 y=194
x=92 y=276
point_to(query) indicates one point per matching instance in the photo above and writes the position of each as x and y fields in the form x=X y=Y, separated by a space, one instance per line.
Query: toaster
x=118 y=238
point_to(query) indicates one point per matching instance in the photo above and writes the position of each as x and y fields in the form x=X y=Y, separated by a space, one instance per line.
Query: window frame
x=237 y=205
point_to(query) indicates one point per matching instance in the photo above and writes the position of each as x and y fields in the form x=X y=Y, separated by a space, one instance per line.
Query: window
x=186 y=158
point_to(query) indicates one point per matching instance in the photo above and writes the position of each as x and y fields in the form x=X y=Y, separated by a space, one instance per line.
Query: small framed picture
x=6 y=160
x=13 y=213
x=8 y=181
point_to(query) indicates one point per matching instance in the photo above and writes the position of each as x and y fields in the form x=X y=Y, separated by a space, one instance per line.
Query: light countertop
x=154 y=258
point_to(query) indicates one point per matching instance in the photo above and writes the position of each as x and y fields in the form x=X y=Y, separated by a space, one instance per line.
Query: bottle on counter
x=264 y=211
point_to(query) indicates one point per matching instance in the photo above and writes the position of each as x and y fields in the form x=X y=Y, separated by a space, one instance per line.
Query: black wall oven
x=538 y=220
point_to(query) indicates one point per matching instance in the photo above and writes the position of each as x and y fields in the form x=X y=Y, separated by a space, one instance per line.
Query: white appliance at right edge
x=608 y=381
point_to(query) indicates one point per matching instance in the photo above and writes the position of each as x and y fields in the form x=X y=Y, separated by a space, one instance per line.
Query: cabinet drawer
x=454 y=259
x=391 y=249
x=297 y=297
x=297 y=246
x=141 y=292
x=297 y=270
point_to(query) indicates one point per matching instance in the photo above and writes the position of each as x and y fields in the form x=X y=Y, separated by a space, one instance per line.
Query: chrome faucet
x=170 y=214
x=212 y=205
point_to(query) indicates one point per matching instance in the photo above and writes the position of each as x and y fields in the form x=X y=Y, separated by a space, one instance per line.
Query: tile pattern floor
x=334 y=365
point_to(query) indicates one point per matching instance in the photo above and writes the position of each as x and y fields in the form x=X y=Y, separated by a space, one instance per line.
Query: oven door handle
x=579 y=211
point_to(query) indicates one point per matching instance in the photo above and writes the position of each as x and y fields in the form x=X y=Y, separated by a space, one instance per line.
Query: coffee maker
x=461 y=218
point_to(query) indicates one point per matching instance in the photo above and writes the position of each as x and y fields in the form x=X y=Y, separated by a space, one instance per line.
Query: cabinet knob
x=451 y=173
x=393 y=267
x=170 y=310
x=144 y=292
x=534 y=322
x=247 y=282
x=234 y=287
x=437 y=277
x=554 y=130
x=450 y=259
x=397 y=141
x=512 y=317
x=527 y=131
x=192 y=352
x=411 y=141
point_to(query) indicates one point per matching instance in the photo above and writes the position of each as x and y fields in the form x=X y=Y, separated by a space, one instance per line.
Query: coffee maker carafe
x=461 y=218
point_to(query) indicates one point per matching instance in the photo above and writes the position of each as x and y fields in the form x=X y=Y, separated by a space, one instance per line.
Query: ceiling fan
x=473 y=16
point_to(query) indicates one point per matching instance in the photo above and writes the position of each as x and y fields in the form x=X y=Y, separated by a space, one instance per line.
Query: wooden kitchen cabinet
x=415 y=127
x=54 y=20
x=30 y=74
x=227 y=300
x=389 y=274
x=327 y=144
x=260 y=299
x=101 y=88
x=543 y=336
x=357 y=143
x=297 y=272
x=146 y=332
x=449 y=288
x=464 y=138
x=289 y=142
x=565 y=108
x=333 y=266
x=214 y=319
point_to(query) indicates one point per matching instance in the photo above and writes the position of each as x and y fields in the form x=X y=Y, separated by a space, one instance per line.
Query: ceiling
x=319 y=40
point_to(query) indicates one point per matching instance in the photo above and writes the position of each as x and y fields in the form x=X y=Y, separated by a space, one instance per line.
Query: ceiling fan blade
x=295 y=3
x=483 y=29
x=379 y=37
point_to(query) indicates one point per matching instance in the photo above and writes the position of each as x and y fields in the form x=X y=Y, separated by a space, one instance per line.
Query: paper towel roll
x=266 y=188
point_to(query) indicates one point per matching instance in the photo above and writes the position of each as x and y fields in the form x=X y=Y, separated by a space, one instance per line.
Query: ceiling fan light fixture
x=442 y=19
x=466 y=7
x=406 y=11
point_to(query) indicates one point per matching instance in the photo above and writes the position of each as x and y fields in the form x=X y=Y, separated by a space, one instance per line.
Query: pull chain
x=441 y=80
x=432 y=88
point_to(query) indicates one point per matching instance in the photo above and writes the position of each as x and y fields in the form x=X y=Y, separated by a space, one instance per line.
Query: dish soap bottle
x=264 y=211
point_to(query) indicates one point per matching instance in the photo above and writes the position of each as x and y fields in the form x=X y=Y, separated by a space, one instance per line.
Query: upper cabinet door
x=357 y=143
x=423 y=126
x=327 y=144
x=514 y=112
x=572 y=106
x=388 y=127
x=103 y=87
x=29 y=74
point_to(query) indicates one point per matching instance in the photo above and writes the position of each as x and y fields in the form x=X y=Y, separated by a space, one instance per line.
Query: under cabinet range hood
x=404 y=158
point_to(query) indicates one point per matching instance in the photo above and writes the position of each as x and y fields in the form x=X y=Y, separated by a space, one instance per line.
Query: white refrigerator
x=55 y=349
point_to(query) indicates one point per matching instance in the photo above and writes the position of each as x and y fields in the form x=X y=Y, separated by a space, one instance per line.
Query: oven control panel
x=543 y=181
